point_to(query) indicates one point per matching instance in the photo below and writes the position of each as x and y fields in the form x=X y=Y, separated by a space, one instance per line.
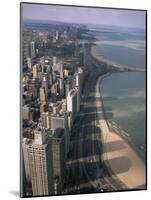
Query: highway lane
x=87 y=166
x=96 y=159
x=84 y=162
x=78 y=131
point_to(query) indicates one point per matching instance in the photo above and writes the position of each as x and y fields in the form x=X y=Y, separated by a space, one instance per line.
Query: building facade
x=39 y=157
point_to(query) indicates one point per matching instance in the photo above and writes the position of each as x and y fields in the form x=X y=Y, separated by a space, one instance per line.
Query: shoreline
x=101 y=58
x=136 y=148
x=130 y=142
x=123 y=160
x=118 y=66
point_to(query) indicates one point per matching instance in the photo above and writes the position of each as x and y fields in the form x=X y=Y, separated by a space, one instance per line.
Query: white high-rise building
x=42 y=60
x=72 y=102
x=45 y=85
x=25 y=111
x=35 y=71
x=39 y=157
x=57 y=35
x=61 y=70
x=46 y=120
x=29 y=62
x=54 y=60
x=77 y=80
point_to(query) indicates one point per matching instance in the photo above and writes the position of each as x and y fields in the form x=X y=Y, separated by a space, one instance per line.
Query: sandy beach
x=101 y=57
x=122 y=160
x=120 y=67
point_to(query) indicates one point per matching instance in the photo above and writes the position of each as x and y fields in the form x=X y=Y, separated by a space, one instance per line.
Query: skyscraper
x=45 y=85
x=46 y=120
x=42 y=94
x=61 y=70
x=42 y=60
x=54 y=60
x=68 y=87
x=29 y=62
x=57 y=35
x=61 y=86
x=72 y=102
x=35 y=71
x=25 y=111
x=39 y=157
x=27 y=51
x=32 y=49
x=58 y=152
x=25 y=145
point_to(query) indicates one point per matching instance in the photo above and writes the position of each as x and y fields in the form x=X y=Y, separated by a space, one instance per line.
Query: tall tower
x=40 y=163
x=57 y=35
x=61 y=86
x=35 y=71
x=25 y=145
x=58 y=157
x=72 y=102
x=29 y=62
x=32 y=49
x=42 y=60
x=27 y=51
x=45 y=85
x=46 y=119
x=54 y=60
x=42 y=94
x=61 y=70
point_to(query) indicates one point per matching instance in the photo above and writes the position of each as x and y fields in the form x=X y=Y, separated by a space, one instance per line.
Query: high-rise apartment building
x=33 y=49
x=39 y=158
x=46 y=120
x=35 y=71
x=27 y=52
x=45 y=85
x=72 y=102
x=54 y=60
x=29 y=62
x=25 y=111
x=42 y=94
x=25 y=145
x=61 y=86
x=61 y=70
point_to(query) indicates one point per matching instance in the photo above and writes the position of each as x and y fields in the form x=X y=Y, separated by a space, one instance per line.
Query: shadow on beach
x=113 y=146
x=120 y=164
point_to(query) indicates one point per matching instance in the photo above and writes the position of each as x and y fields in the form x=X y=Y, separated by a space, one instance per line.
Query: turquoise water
x=124 y=93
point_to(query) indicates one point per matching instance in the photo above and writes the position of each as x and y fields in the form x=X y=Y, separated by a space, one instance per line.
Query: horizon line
x=51 y=20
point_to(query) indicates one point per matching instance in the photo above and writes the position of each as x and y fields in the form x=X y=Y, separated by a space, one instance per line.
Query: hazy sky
x=126 y=18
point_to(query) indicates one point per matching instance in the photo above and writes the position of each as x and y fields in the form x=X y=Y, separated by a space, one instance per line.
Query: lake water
x=124 y=94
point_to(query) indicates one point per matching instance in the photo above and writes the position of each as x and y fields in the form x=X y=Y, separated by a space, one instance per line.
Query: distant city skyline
x=85 y=15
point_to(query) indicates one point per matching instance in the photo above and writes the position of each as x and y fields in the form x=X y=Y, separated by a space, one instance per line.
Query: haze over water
x=124 y=93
